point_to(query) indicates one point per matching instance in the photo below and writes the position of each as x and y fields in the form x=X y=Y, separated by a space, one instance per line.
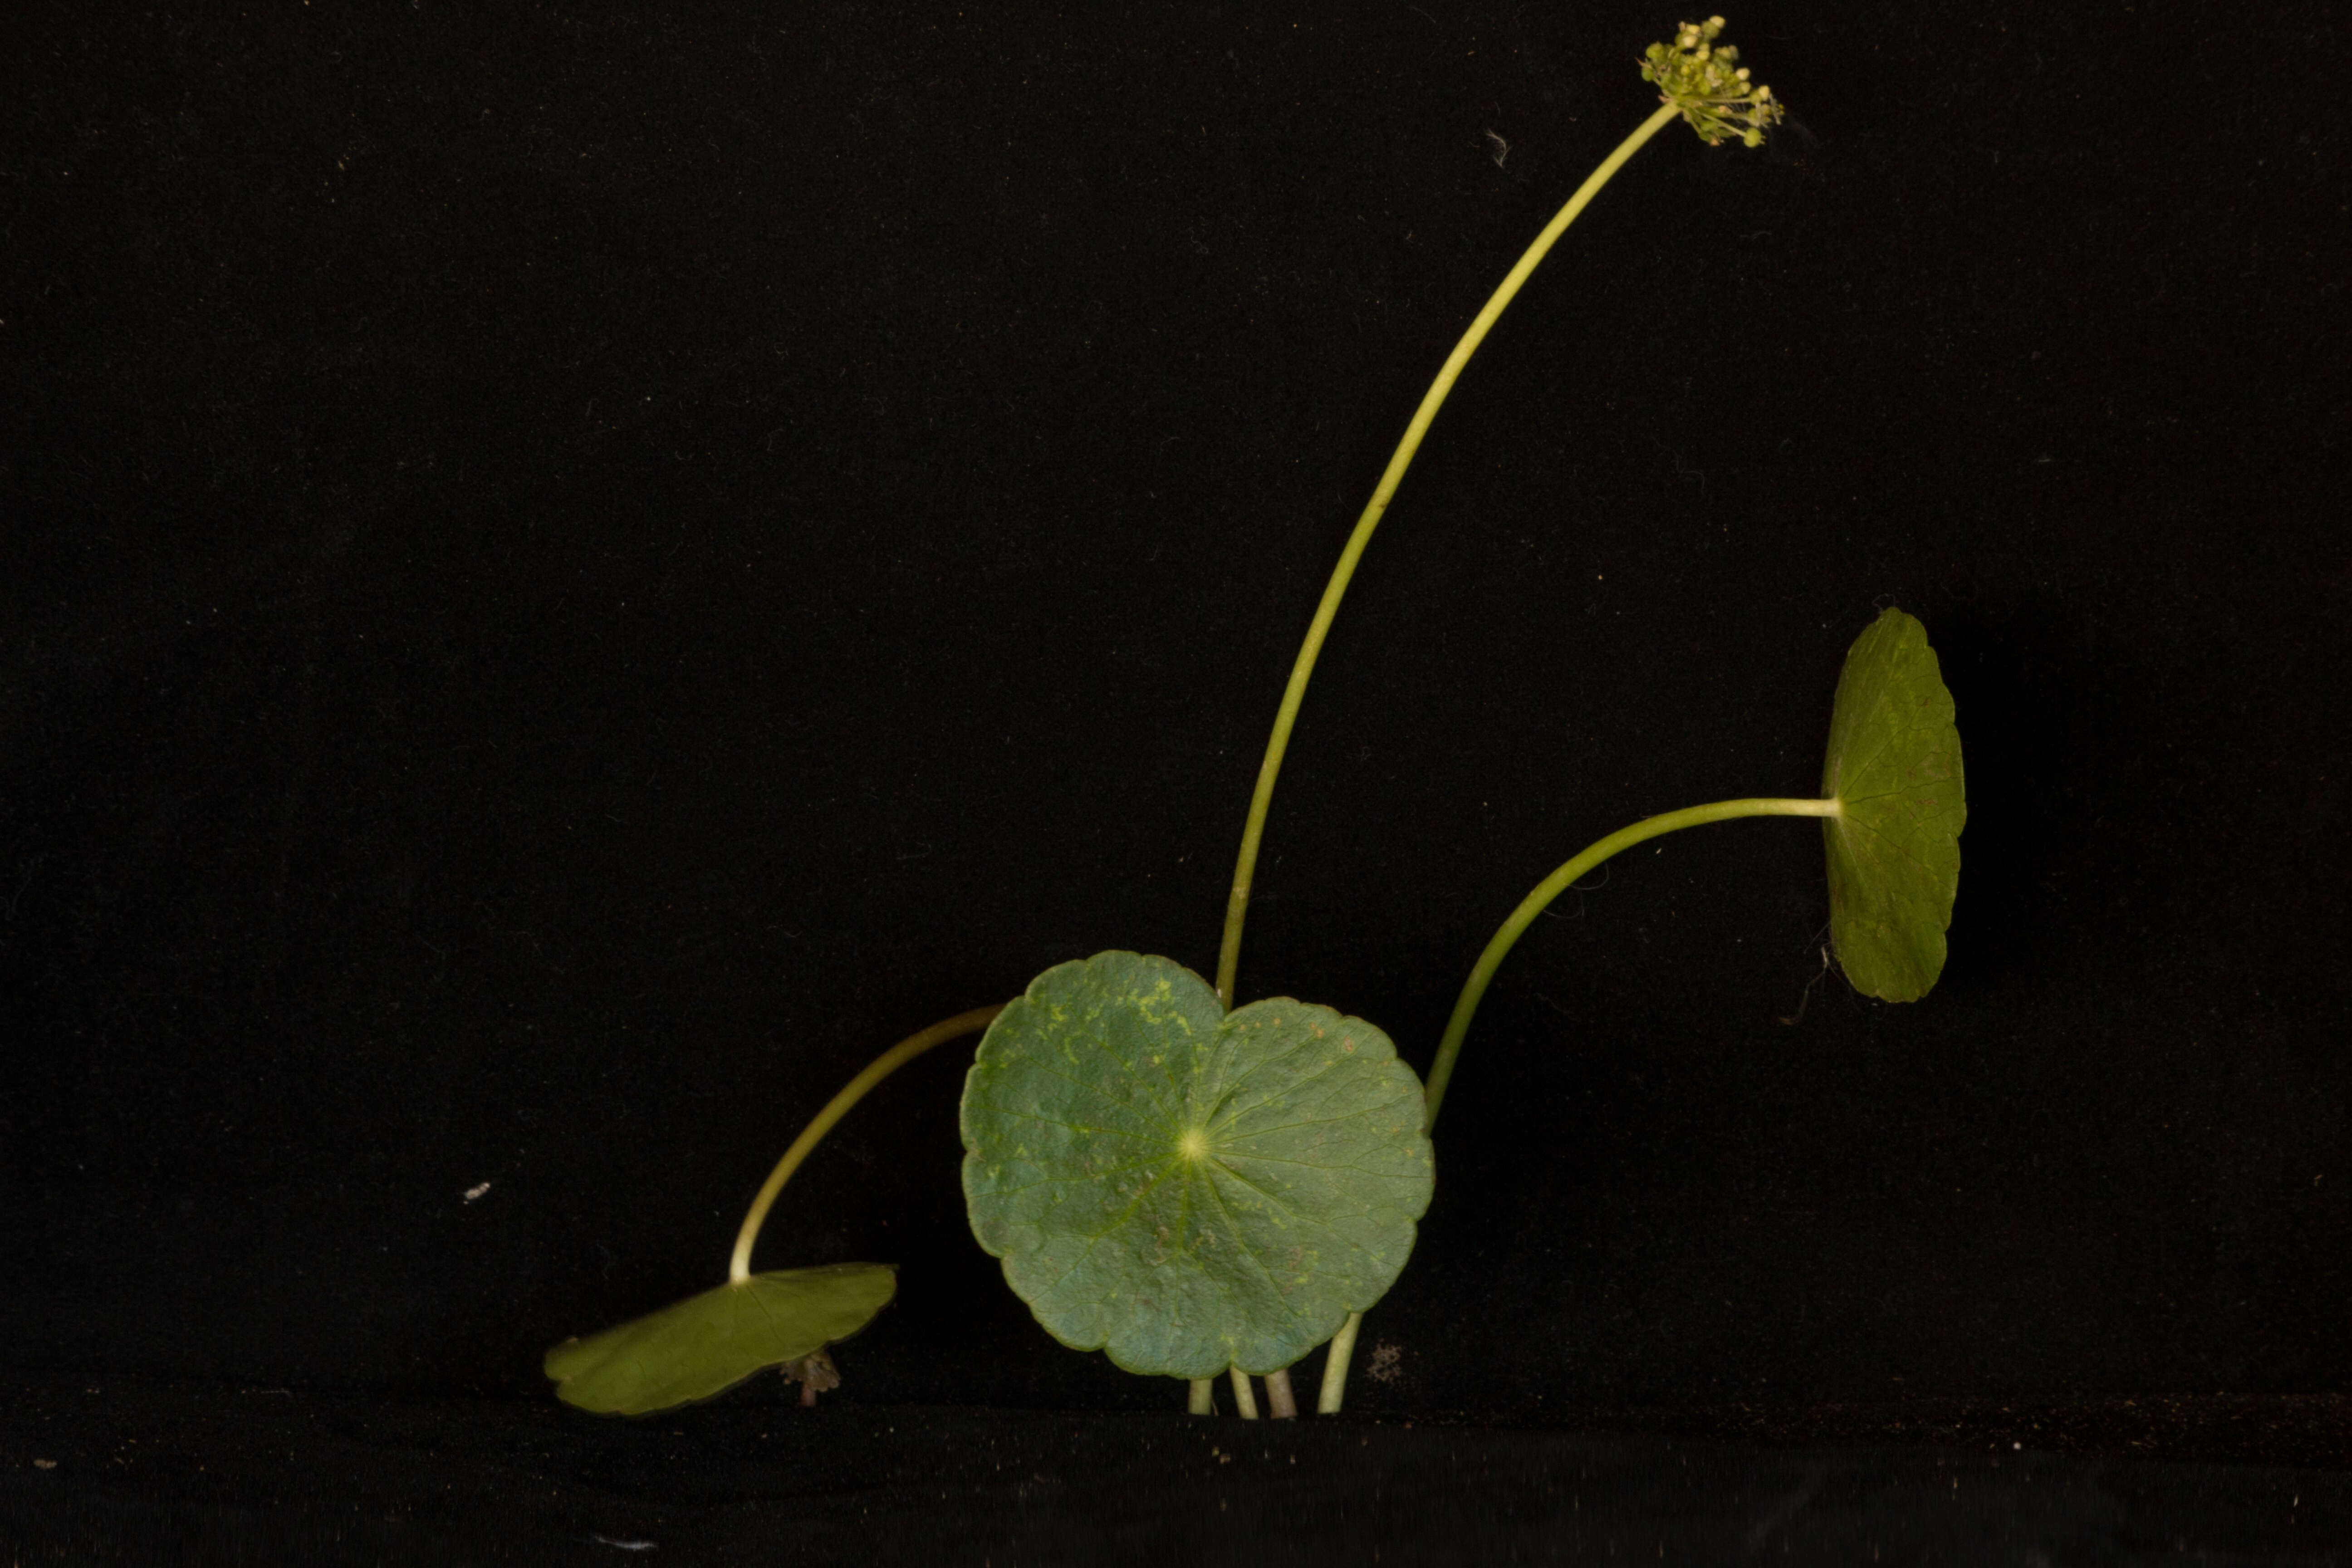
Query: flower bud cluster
x=1708 y=84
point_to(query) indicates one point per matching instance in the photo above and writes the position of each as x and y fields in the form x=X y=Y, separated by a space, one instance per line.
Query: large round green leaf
x=1895 y=848
x=1187 y=1189
x=706 y=1344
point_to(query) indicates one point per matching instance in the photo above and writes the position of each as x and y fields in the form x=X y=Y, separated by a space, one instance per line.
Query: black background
x=571 y=574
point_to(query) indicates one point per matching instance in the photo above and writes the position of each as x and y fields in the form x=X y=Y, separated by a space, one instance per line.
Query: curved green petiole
x=704 y=1345
x=1893 y=800
x=1465 y=1007
x=1586 y=861
x=738 y=1268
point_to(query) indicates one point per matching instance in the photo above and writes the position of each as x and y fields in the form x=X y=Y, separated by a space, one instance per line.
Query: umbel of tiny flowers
x=1710 y=86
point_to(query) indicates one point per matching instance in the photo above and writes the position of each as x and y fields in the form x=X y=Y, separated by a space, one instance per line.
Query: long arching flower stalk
x=1698 y=81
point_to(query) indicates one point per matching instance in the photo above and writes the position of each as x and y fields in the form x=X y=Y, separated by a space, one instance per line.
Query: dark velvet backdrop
x=571 y=572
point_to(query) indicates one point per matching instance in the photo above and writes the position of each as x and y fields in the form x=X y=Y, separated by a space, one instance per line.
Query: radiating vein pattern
x=1185 y=1189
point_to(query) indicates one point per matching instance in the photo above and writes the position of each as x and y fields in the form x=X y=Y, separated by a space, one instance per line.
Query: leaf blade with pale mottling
x=1274 y=1188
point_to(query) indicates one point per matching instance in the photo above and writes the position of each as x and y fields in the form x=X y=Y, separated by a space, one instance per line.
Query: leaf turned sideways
x=1894 y=766
x=706 y=1344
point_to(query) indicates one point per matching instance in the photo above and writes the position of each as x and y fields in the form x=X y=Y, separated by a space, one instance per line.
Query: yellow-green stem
x=739 y=1268
x=1343 y=1344
x=1334 y=1366
x=1559 y=882
x=1229 y=952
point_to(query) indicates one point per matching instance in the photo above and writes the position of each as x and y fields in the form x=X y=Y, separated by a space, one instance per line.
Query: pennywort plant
x=1203 y=1189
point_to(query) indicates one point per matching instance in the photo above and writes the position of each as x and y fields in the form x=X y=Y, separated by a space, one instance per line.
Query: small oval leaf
x=1895 y=849
x=706 y=1344
x=1187 y=1189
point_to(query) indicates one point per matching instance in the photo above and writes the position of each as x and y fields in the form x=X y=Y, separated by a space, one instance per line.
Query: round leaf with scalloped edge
x=1188 y=1189
x=1895 y=848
